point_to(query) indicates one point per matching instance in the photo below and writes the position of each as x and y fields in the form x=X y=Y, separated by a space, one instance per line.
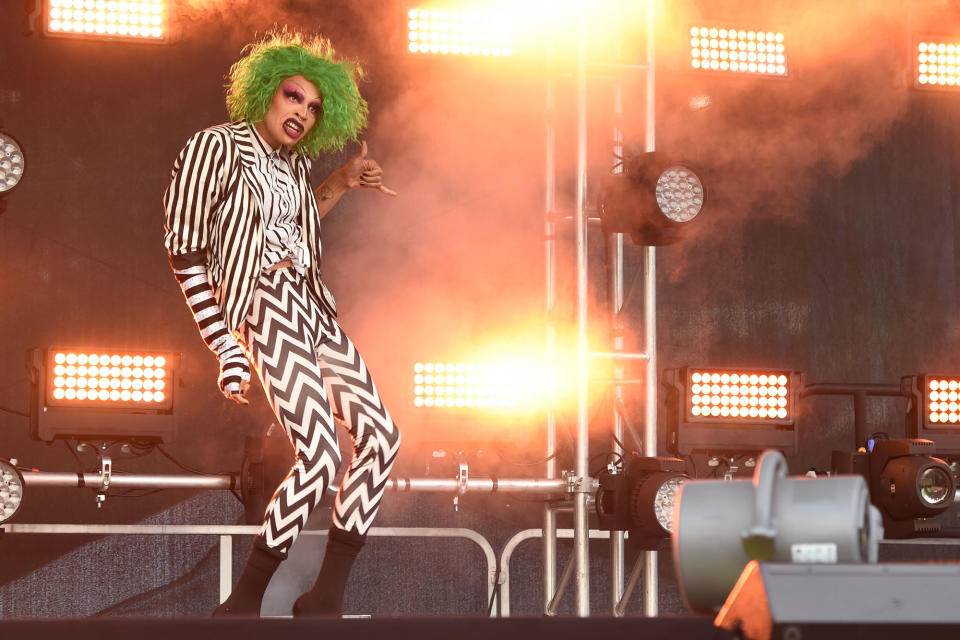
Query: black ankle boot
x=247 y=595
x=326 y=596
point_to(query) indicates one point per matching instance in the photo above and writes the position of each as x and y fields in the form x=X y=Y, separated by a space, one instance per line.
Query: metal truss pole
x=581 y=540
x=650 y=585
x=550 y=235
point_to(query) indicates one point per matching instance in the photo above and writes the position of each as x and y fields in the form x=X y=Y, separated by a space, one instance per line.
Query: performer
x=243 y=236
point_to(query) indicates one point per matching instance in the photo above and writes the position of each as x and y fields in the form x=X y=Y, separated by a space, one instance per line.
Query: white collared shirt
x=280 y=206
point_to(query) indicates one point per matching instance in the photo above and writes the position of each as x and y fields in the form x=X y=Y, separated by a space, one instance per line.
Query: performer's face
x=295 y=108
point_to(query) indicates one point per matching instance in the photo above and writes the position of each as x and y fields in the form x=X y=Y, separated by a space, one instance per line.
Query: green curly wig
x=255 y=77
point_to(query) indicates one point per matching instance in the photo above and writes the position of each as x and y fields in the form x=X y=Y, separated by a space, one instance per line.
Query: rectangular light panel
x=936 y=63
x=127 y=20
x=115 y=380
x=467 y=33
x=943 y=401
x=462 y=385
x=738 y=397
x=740 y=51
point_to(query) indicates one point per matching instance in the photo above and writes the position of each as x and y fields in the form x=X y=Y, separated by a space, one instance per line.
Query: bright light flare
x=131 y=20
x=943 y=400
x=742 y=51
x=937 y=64
x=504 y=385
x=86 y=378
x=738 y=396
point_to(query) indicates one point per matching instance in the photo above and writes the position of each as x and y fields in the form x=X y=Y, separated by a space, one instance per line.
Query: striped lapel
x=240 y=130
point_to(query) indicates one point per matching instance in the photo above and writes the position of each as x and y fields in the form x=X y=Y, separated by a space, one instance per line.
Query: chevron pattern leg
x=283 y=330
x=376 y=438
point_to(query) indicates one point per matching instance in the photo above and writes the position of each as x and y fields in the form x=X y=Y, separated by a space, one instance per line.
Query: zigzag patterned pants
x=311 y=373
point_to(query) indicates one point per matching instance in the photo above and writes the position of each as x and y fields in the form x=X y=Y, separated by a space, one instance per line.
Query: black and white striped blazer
x=213 y=217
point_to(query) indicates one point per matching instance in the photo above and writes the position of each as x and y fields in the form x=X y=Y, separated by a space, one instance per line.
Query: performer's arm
x=361 y=172
x=194 y=190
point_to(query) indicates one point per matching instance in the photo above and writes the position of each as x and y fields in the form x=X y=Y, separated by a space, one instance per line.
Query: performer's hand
x=240 y=396
x=363 y=172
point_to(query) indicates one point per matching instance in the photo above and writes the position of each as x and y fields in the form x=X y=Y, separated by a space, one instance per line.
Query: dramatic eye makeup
x=295 y=95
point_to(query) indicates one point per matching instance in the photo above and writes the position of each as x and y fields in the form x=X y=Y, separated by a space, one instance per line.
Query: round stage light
x=11 y=489
x=935 y=485
x=679 y=194
x=12 y=163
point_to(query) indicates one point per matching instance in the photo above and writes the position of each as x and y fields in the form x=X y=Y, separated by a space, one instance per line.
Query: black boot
x=247 y=595
x=326 y=596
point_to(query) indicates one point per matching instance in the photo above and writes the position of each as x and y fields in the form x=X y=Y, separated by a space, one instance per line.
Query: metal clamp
x=106 y=469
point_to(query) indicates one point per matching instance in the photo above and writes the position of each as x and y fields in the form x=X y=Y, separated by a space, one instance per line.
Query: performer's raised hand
x=363 y=172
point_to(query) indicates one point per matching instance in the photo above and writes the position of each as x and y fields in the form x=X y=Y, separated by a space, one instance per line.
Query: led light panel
x=11 y=162
x=131 y=20
x=937 y=64
x=741 y=51
x=943 y=400
x=467 y=33
x=738 y=396
x=80 y=379
x=465 y=385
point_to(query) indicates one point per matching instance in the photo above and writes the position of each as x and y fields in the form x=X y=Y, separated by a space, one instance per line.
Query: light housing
x=735 y=50
x=452 y=32
x=653 y=200
x=717 y=410
x=933 y=410
x=908 y=484
x=103 y=393
x=11 y=489
x=641 y=498
x=118 y=20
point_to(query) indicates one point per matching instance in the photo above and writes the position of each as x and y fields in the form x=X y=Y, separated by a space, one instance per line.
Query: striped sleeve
x=195 y=188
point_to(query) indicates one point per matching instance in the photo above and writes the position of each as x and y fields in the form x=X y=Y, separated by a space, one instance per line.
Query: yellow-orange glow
x=99 y=377
x=738 y=395
x=129 y=19
x=937 y=64
x=944 y=400
x=454 y=32
x=738 y=51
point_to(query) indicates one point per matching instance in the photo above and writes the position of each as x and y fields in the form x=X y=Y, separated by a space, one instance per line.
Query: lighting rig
x=146 y=21
x=12 y=166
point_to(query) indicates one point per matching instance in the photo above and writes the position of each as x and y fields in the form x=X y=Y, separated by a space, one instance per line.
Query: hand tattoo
x=325 y=192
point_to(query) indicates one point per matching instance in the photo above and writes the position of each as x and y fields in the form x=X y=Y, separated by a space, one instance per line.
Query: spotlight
x=731 y=410
x=907 y=484
x=465 y=33
x=11 y=489
x=641 y=499
x=936 y=63
x=720 y=526
x=123 y=20
x=12 y=165
x=653 y=199
x=102 y=393
x=738 y=51
x=933 y=410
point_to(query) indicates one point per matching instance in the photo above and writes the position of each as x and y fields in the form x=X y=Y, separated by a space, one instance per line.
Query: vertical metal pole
x=226 y=567
x=550 y=235
x=581 y=540
x=615 y=254
x=651 y=588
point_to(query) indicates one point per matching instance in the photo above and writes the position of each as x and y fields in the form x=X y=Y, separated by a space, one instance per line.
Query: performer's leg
x=282 y=332
x=375 y=443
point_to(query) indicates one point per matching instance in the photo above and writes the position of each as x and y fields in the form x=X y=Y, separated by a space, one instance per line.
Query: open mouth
x=293 y=128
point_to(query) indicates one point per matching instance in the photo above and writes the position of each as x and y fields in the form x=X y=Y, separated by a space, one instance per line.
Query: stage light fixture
x=460 y=385
x=734 y=50
x=721 y=525
x=653 y=200
x=11 y=489
x=124 y=20
x=731 y=410
x=933 y=410
x=12 y=165
x=908 y=484
x=466 y=33
x=641 y=499
x=936 y=63
x=103 y=393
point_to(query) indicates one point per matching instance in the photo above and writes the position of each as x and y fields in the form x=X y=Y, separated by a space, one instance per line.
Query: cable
x=496 y=592
x=166 y=455
x=14 y=412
